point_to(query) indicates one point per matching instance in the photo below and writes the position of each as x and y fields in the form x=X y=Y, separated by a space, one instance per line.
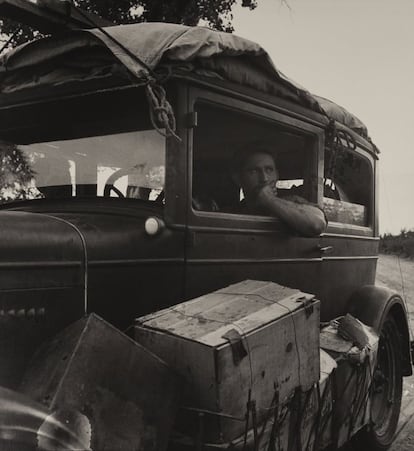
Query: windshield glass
x=130 y=165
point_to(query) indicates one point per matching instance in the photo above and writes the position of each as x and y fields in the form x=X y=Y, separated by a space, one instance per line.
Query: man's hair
x=249 y=149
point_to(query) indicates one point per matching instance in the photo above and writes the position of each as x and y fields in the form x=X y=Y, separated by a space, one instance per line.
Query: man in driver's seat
x=255 y=171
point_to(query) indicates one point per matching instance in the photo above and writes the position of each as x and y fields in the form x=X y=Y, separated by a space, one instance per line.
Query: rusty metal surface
x=112 y=392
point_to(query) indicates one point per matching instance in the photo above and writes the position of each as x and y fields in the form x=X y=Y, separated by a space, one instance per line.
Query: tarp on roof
x=341 y=115
x=144 y=47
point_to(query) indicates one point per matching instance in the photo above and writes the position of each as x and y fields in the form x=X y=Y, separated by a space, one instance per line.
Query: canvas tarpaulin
x=143 y=47
x=146 y=47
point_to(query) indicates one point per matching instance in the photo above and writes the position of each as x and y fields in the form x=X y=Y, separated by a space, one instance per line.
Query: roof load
x=147 y=50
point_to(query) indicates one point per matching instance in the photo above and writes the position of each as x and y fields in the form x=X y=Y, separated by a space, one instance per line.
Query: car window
x=348 y=187
x=222 y=135
x=130 y=165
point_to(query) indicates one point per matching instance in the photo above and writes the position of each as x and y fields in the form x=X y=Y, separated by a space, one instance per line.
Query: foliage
x=213 y=13
x=16 y=175
x=402 y=244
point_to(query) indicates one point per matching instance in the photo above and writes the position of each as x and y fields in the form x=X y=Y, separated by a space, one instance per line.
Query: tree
x=214 y=13
x=16 y=174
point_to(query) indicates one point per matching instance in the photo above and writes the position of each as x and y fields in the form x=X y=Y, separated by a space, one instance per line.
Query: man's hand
x=266 y=194
x=305 y=218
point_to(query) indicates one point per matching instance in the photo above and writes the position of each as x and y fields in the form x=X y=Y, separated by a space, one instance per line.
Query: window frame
x=336 y=227
x=234 y=221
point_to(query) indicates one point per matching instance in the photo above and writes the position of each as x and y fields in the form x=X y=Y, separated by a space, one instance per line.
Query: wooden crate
x=252 y=337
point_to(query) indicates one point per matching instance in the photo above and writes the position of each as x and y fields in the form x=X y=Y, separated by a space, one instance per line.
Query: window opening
x=129 y=164
x=223 y=136
x=347 y=187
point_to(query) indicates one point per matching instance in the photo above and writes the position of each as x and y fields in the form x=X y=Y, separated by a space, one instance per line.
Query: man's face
x=258 y=170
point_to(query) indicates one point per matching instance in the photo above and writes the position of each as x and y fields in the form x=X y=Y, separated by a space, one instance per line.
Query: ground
x=398 y=274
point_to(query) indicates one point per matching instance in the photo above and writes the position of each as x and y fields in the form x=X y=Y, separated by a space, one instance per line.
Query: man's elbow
x=316 y=226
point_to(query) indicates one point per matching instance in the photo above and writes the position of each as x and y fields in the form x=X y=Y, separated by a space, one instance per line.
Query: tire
x=386 y=392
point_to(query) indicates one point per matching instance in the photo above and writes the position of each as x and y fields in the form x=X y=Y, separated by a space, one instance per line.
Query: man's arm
x=306 y=219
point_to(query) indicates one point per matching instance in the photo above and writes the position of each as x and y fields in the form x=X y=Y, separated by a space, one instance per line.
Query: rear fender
x=372 y=304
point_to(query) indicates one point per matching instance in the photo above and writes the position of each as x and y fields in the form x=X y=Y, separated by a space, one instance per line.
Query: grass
x=402 y=244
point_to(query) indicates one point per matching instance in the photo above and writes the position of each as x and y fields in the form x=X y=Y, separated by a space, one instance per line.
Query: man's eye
x=270 y=170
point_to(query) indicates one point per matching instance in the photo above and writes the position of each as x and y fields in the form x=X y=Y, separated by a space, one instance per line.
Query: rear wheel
x=386 y=391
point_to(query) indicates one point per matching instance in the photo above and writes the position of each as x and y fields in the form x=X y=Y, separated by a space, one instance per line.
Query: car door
x=350 y=241
x=225 y=245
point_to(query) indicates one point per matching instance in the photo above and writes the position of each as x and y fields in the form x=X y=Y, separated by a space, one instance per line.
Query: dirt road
x=398 y=274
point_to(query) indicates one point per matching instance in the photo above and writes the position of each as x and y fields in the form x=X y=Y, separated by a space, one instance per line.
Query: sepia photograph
x=206 y=225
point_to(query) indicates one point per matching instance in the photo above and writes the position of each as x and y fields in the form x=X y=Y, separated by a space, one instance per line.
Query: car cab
x=119 y=195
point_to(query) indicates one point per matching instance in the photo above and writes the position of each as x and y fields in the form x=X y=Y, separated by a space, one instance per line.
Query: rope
x=161 y=112
x=335 y=145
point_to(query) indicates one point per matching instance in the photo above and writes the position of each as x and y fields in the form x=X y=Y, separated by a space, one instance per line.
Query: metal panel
x=98 y=379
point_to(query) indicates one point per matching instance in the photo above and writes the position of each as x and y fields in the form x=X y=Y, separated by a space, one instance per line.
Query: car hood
x=27 y=237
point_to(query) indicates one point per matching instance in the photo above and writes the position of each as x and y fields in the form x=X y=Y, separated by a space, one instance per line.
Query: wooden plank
x=244 y=306
x=246 y=325
x=193 y=320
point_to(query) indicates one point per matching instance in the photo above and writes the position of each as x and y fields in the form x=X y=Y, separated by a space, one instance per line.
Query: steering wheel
x=109 y=185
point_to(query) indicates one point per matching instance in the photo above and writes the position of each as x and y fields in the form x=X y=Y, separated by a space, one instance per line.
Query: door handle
x=325 y=249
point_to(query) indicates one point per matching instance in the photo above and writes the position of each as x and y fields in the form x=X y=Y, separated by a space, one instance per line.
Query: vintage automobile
x=126 y=136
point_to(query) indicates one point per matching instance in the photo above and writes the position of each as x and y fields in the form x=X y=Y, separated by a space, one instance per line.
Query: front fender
x=372 y=304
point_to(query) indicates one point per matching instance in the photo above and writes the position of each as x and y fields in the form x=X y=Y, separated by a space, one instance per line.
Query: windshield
x=130 y=165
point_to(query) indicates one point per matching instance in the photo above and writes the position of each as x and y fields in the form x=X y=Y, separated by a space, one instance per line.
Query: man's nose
x=264 y=176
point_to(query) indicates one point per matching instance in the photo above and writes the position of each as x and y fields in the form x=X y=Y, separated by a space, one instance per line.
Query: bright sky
x=360 y=54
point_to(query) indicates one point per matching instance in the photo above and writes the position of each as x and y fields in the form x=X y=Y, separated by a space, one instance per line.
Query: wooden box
x=252 y=340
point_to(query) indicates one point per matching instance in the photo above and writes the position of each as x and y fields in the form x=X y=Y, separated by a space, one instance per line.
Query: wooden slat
x=246 y=325
x=244 y=306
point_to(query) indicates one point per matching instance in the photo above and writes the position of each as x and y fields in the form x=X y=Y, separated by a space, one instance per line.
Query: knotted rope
x=161 y=112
